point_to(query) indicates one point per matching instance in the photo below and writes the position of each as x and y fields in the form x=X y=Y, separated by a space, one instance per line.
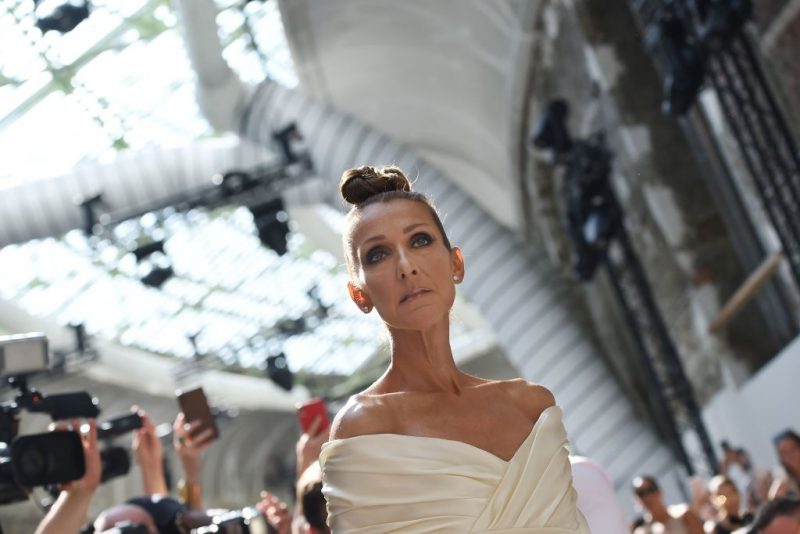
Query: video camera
x=245 y=521
x=48 y=458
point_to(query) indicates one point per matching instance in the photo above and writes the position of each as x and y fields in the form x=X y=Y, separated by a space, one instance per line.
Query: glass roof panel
x=121 y=80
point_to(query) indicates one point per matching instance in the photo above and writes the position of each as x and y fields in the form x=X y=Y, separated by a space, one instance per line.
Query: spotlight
x=287 y=139
x=683 y=62
x=154 y=265
x=723 y=21
x=234 y=183
x=60 y=16
x=278 y=371
x=144 y=251
x=89 y=213
x=272 y=224
x=551 y=130
x=157 y=276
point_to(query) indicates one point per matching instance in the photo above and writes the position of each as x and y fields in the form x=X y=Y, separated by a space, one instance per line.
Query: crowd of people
x=742 y=498
x=427 y=447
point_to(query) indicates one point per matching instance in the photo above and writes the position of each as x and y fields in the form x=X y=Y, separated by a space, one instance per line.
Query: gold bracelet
x=189 y=493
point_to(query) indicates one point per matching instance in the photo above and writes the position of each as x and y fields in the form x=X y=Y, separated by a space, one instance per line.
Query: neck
x=422 y=360
x=659 y=513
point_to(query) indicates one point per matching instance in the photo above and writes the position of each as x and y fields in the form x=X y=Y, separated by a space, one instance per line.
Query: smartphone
x=309 y=411
x=194 y=406
x=118 y=425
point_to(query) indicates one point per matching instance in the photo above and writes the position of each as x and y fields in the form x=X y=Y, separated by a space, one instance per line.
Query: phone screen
x=194 y=406
x=309 y=411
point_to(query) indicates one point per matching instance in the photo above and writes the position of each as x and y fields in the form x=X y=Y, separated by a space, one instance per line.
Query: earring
x=456 y=278
x=365 y=308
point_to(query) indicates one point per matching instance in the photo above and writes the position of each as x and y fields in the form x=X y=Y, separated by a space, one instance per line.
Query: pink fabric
x=596 y=498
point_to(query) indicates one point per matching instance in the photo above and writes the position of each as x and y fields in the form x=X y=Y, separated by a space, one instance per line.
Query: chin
x=420 y=319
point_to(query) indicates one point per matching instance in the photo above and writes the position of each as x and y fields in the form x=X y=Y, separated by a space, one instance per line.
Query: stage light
x=551 y=130
x=60 y=16
x=682 y=59
x=278 y=371
x=285 y=137
x=233 y=183
x=155 y=267
x=272 y=225
x=90 y=209
x=723 y=21
x=144 y=251
x=157 y=276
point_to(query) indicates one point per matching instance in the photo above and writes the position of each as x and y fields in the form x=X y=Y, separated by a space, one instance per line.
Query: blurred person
x=277 y=513
x=311 y=503
x=727 y=501
x=779 y=516
x=701 y=499
x=472 y=454
x=659 y=518
x=310 y=514
x=787 y=444
x=160 y=514
x=758 y=492
x=597 y=500
x=309 y=445
x=70 y=510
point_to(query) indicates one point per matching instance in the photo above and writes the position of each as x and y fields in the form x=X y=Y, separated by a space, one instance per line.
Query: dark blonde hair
x=365 y=185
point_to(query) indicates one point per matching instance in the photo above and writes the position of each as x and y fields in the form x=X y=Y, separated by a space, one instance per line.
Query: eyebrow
x=406 y=230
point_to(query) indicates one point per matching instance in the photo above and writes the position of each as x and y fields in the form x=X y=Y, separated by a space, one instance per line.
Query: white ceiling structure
x=449 y=78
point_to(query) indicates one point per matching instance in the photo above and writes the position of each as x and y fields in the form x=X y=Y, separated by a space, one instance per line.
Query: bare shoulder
x=359 y=416
x=531 y=398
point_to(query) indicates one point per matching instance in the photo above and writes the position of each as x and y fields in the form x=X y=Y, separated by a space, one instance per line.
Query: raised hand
x=149 y=454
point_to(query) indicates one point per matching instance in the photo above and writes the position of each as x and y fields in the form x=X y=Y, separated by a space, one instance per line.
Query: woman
x=427 y=448
x=787 y=445
x=727 y=500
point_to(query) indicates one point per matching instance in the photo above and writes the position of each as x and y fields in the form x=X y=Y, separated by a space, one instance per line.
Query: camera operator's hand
x=276 y=512
x=190 y=450
x=91 y=456
x=149 y=455
x=70 y=511
x=309 y=445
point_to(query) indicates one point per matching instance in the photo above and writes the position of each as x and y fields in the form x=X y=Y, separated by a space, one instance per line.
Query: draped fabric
x=381 y=483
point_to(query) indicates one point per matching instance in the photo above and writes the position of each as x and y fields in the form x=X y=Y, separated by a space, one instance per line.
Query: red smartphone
x=194 y=406
x=311 y=410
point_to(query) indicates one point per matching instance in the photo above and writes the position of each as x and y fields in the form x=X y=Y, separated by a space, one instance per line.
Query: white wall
x=750 y=415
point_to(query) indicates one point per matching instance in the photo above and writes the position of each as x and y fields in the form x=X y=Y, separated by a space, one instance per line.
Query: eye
x=421 y=239
x=375 y=255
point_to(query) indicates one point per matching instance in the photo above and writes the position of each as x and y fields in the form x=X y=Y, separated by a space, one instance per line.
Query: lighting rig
x=697 y=41
x=598 y=237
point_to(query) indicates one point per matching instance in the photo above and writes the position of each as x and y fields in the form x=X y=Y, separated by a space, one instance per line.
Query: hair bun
x=360 y=183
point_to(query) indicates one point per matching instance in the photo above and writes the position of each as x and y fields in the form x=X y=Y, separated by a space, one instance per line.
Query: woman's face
x=789 y=453
x=402 y=266
x=727 y=496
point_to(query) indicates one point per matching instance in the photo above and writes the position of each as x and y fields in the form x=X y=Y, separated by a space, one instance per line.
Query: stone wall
x=592 y=55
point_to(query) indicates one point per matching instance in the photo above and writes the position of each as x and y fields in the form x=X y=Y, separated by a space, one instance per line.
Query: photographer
x=70 y=511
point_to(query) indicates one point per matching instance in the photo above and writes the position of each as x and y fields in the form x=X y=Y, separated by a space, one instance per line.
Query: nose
x=405 y=266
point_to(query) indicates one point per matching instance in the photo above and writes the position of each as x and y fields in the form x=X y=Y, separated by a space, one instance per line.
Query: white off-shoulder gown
x=382 y=483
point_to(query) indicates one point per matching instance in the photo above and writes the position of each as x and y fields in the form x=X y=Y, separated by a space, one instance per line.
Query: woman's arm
x=692 y=522
x=150 y=456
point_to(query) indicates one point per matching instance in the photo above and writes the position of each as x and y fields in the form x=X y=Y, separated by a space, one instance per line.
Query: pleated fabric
x=382 y=483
